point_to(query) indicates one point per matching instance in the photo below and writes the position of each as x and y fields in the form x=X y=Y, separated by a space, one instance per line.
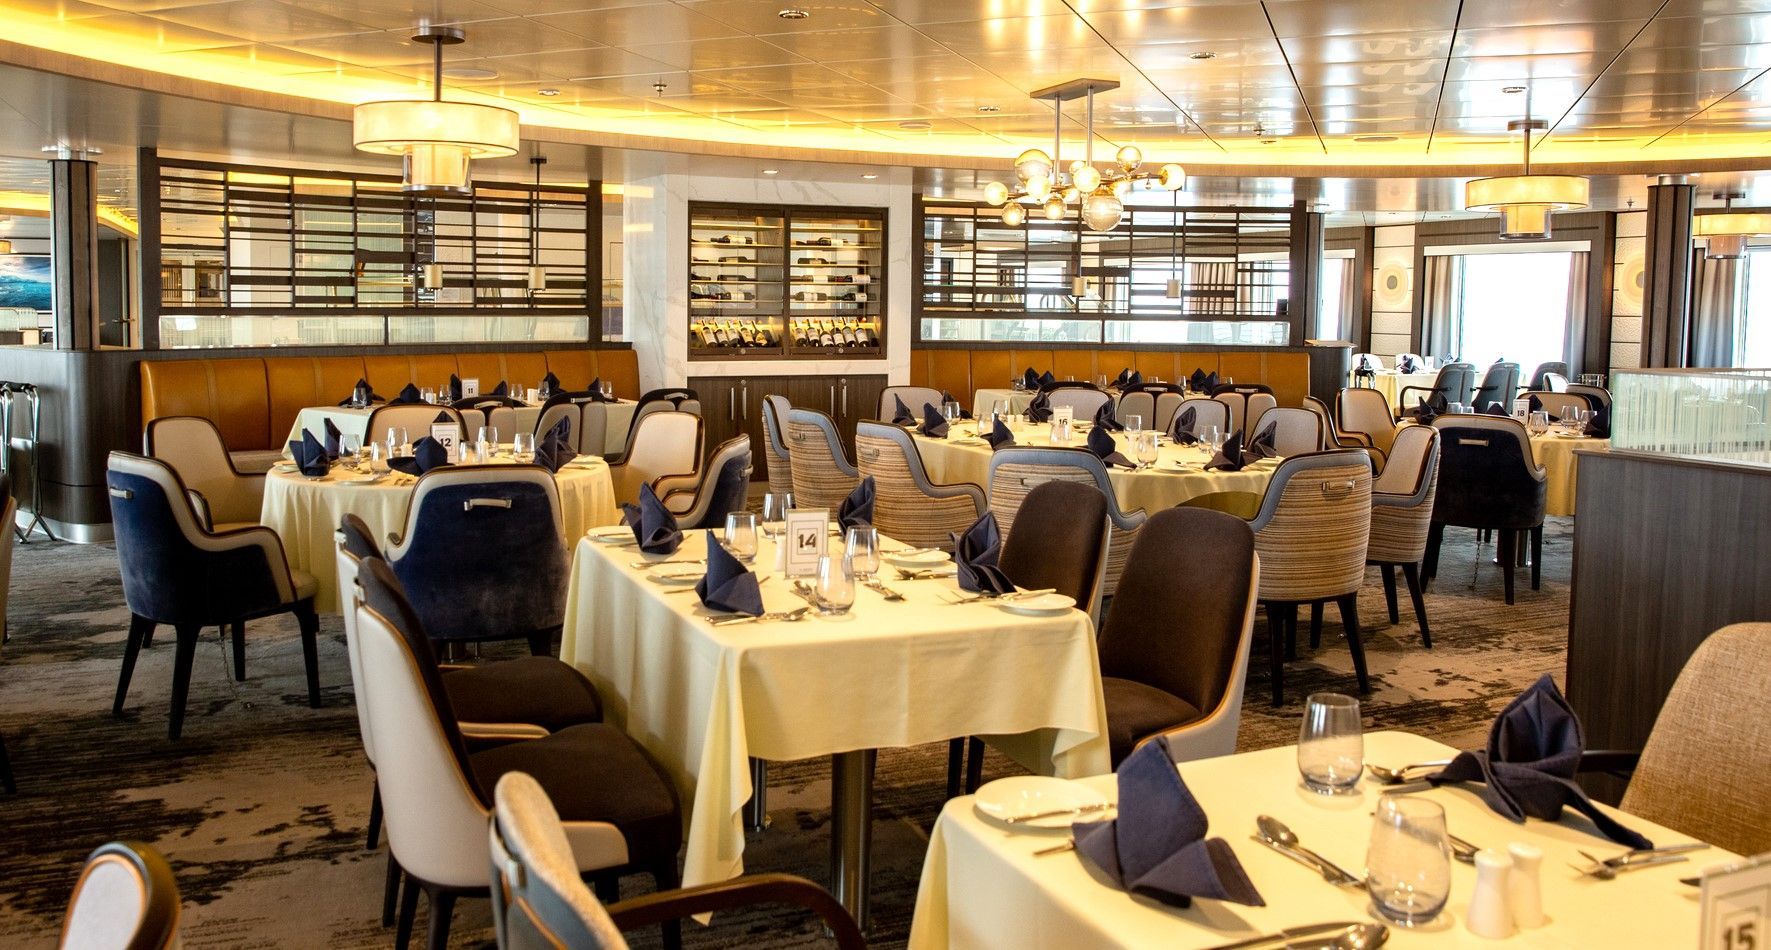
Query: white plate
x=676 y=573
x=970 y=440
x=924 y=559
x=1571 y=435
x=611 y=534
x=1044 y=605
x=361 y=481
x=1009 y=798
x=286 y=468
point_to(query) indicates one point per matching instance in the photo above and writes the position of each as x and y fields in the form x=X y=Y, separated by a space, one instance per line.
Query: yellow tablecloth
x=305 y=513
x=984 y=401
x=1557 y=456
x=356 y=422
x=1391 y=383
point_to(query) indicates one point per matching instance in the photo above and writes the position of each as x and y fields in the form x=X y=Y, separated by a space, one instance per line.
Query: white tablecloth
x=1165 y=486
x=982 y=886
x=984 y=401
x=356 y=422
x=704 y=700
x=1556 y=455
x=305 y=513
x=1391 y=383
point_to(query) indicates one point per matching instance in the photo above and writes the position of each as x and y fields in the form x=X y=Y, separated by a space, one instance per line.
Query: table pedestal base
x=851 y=830
x=756 y=811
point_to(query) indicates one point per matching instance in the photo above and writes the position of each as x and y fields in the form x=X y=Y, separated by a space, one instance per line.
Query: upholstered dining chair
x=558 y=408
x=673 y=399
x=1557 y=404
x=704 y=498
x=126 y=899
x=662 y=443
x=1454 y=383
x=1401 y=518
x=1540 y=377
x=1206 y=412
x=8 y=516
x=1174 y=656
x=1017 y=470
x=483 y=556
x=1335 y=438
x=1499 y=384
x=225 y=497
x=1488 y=480
x=621 y=810
x=775 y=409
x=1599 y=396
x=915 y=398
x=415 y=418
x=1084 y=401
x=178 y=572
x=907 y=505
x=1137 y=403
x=540 y=901
x=822 y=474
x=499 y=412
x=1167 y=404
x=1246 y=404
x=1364 y=414
x=1311 y=532
x=1295 y=431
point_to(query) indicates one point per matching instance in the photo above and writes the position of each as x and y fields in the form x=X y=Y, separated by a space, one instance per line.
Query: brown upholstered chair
x=908 y=506
x=126 y=897
x=1017 y=470
x=1365 y=414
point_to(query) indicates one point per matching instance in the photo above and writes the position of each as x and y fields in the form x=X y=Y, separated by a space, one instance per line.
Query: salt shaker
x=1489 y=916
x=1524 y=890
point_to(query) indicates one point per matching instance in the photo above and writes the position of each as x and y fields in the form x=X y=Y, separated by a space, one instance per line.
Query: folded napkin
x=1104 y=418
x=947 y=397
x=934 y=425
x=1157 y=847
x=427 y=453
x=1261 y=446
x=1534 y=748
x=1100 y=442
x=1599 y=424
x=362 y=394
x=728 y=585
x=856 y=510
x=902 y=416
x=1201 y=381
x=1030 y=379
x=654 y=527
x=550 y=384
x=1424 y=413
x=1135 y=379
x=1229 y=458
x=454 y=388
x=1122 y=378
x=1407 y=364
x=333 y=436
x=596 y=391
x=408 y=395
x=976 y=551
x=1040 y=409
x=1536 y=405
x=1495 y=409
x=999 y=436
x=1181 y=430
x=502 y=389
x=554 y=449
x=309 y=455
x=1047 y=380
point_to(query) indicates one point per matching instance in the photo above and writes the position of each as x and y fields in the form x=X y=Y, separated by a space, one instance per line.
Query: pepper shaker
x=1489 y=916
x=1524 y=889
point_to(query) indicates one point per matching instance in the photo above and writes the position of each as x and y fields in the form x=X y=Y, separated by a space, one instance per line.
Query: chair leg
x=1507 y=540
x=1537 y=558
x=390 y=892
x=607 y=887
x=310 y=648
x=6 y=769
x=140 y=629
x=1389 y=573
x=181 y=676
x=974 y=764
x=374 y=819
x=239 y=630
x=666 y=878
x=442 y=913
x=1315 y=630
x=1435 y=537
x=408 y=913
x=1277 y=615
x=1411 y=572
x=955 y=766
x=540 y=644
x=1349 y=606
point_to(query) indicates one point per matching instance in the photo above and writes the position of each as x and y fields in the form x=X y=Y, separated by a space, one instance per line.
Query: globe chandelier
x=437 y=139
x=1526 y=201
x=1041 y=181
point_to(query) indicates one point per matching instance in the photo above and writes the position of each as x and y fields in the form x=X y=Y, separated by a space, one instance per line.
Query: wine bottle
x=827 y=338
x=848 y=335
x=800 y=331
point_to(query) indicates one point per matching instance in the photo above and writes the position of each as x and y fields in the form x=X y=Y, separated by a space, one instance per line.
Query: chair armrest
x=1355 y=440
x=1419 y=389
x=666 y=484
x=501 y=731
x=957 y=490
x=258 y=536
x=1620 y=763
x=746 y=891
x=200 y=506
x=1127 y=520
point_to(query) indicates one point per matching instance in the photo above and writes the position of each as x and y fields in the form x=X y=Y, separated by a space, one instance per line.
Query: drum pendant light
x=1526 y=201
x=437 y=139
x=1727 y=230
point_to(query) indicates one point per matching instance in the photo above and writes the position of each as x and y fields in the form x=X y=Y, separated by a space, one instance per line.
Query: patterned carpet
x=261 y=806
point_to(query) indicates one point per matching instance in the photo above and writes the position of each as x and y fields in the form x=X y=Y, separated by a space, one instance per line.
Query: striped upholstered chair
x=822 y=475
x=775 y=410
x=1015 y=471
x=1401 y=517
x=1312 y=533
x=907 y=506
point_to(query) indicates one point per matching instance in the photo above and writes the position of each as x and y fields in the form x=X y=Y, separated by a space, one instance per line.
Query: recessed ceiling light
x=1512 y=90
x=1203 y=54
x=990 y=108
x=771 y=171
x=869 y=175
x=550 y=93
x=916 y=125
x=792 y=13
x=1374 y=138
x=469 y=72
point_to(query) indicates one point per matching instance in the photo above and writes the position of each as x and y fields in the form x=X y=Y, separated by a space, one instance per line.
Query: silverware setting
x=1058 y=812
x=1274 y=834
x=787 y=616
x=1017 y=595
x=690 y=590
x=884 y=591
x=1340 y=935
x=1607 y=868
x=920 y=575
x=642 y=565
x=1389 y=776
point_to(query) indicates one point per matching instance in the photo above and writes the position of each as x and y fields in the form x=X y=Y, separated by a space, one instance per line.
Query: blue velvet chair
x=177 y=572
x=1488 y=479
x=483 y=554
x=703 y=499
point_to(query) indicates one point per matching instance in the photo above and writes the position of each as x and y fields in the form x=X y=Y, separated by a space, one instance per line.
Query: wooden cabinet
x=733 y=405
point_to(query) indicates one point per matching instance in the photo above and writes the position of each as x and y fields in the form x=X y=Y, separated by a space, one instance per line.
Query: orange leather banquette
x=961 y=371
x=254 y=401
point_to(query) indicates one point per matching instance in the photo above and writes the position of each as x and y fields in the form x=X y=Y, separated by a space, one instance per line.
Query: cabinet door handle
x=845 y=399
x=731 y=405
x=746 y=402
x=833 y=399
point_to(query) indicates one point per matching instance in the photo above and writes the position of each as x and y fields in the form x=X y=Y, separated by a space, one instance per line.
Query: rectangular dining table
x=704 y=700
x=351 y=421
x=984 y=887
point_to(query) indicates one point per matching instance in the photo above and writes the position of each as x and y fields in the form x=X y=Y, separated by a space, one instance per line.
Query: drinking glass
x=349 y=443
x=378 y=455
x=861 y=547
x=486 y=434
x=1408 y=866
x=1000 y=410
x=741 y=535
x=1539 y=422
x=1101 y=380
x=1134 y=423
x=1209 y=437
x=1331 y=749
x=608 y=389
x=1146 y=448
x=950 y=411
x=427 y=395
x=396 y=439
x=522 y=448
x=775 y=505
x=836 y=584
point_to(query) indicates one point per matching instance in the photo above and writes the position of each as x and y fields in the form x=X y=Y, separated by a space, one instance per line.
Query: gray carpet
x=261 y=806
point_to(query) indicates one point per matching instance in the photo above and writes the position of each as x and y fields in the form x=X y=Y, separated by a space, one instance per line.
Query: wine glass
x=1408 y=866
x=775 y=506
x=836 y=585
x=861 y=547
x=1101 y=380
x=999 y=410
x=522 y=448
x=1331 y=747
x=396 y=440
x=741 y=535
x=608 y=390
x=349 y=443
x=1146 y=448
x=378 y=456
x=950 y=411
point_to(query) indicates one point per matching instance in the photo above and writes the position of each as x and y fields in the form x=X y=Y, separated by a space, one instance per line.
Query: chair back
x=1140 y=404
x=1245 y=404
x=1206 y=412
x=723 y=488
x=471 y=421
x=353 y=543
x=539 y=898
x=906 y=504
x=126 y=899
x=1457 y=381
x=1017 y=470
x=483 y=552
x=822 y=475
x=667 y=400
x=1599 y=396
x=415 y=418
x=1314 y=525
x=1367 y=412
x=1402 y=498
x=915 y=398
x=1295 y=431
x=1555 y=382
x=1084 y=401
x=1558 y=404
x=1333 y=436
x=1540 y=376
x=1367 y=362
x=775 y=443
x=1487 y=477
x=1702 y=772
x=1063 y=546
x=593 y=428
x=1167 y=404
x=1187 y=632
x=557 y=409
x=1498 y=386
x=661 y=443
x=192 y=445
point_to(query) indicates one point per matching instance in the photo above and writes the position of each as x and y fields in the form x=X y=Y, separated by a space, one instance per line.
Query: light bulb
x=1172 y=177
x=1032 y=164
x=1102 y=211
x=1071 y=194
x=1038 y=187
x=1054 y=208
x=1130 y=158
x=1122 y=186
x=996 y=193
x=1014 y=215
x=1087 y=178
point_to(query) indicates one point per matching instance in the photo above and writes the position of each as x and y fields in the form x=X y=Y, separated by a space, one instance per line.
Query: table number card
x=1736 y=906
x=448 y=434
x=470 y=387
x=1522 y=409
x=806 y=535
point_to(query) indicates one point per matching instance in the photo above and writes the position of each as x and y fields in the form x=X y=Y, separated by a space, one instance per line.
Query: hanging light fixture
x=537 y=273
x=1526 y=201
x=1042 y=179
x=438 y=139
x=1727 y=230
x=433 y=276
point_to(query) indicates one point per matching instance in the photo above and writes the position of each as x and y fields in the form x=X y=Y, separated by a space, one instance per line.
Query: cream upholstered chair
x=1365 y=414
x=1312 y=532
x=415 y=418
x=126 y=899
x=1167 y=405
x=540 y=901
x=1246 y=402
x=1295 y=431
x=1599 y=396
x=560 y=408
x=1140 y=404
x=593 y=428
x=1084 y=401
x=1557 y=404
x=1401 y=518
x=225 y=497
x=1335 y=438
x=915 y=398
x=775 y=409
x=1703 y=770
x=908 y=506
x=822 y=475
x=674 y=399
x=704 y=498
x=663 y=443
x=1017 y=470
x=1206 y=412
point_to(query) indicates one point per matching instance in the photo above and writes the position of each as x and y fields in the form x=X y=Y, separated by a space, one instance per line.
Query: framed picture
x=25 y=281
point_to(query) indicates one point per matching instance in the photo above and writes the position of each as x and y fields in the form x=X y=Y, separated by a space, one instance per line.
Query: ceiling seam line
x=1756 y=77
x=1308 y=112
x=1601 y=75
x=1445 y=77
x=1144 y=76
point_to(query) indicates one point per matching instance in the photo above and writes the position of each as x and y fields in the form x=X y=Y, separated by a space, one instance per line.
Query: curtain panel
x=1440 y=305
x=1718 y=290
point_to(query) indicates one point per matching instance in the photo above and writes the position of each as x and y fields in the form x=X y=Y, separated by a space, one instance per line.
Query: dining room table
x=987 y=884
x=705 y=699
x=1558 y=452
x=352 y=420
x=984 y=401
x=305 y=511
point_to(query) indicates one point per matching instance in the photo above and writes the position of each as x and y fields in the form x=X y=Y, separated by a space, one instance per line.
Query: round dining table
x=1556 y=453
x=306 y=511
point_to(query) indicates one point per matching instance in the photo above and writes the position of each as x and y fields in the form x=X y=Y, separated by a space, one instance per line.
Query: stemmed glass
x=950 y=411
x=1210 y=438
x=1331 y=747
x=1134 y=423
x=1408 y=866
x=836 y=585
x=775 y=506
x=608 y=390
x=741 y=535
x=999 y=410
x=487 y=441
x=861 y=548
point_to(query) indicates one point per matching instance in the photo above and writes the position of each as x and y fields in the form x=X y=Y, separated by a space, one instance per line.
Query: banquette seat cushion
x=962 y=371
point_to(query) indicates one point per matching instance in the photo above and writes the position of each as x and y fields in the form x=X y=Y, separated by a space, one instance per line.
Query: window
x=1330 y=323
x=1513 y=307
x=1754 y=347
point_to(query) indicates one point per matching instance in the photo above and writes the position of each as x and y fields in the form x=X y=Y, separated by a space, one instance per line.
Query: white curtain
x=1717 y=302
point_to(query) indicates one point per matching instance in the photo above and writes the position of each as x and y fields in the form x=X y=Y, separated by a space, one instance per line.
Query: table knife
x=1289 y=934
x=1056 y=812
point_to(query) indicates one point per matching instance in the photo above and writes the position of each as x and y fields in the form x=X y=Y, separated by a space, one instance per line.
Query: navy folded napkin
x=333 y=437
x=1040 y=409
x=1047 y=380
x=309 y=455
x=554 y=449
x=934 y=424
x=1105 y=419
x=947 y=397
x=976 y=550
x=454 y=393
x=1157 y=847
x=1424 y=413
x=596 y=391
x=1229 y=458
x=1261 y=446
x=1100 y=442
x=856 y=510
x=362 y=394
x=1120 y=380
x=654 y=527
x=1407 y=365
x=1135 y=379
x=1599 y=426
x=1201 y=381
x=408 y=395
x=427 y=453
x=999 y=436
x=1030 y=379
x=502 y=389
x=1181 y=430
x=728 y=585
x=902 y=416
x=1534 y=749
x=1495 y=409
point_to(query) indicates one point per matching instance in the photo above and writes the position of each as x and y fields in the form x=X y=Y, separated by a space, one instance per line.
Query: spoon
x=1276 y=832
x=1389 y=776
x=1336 y=936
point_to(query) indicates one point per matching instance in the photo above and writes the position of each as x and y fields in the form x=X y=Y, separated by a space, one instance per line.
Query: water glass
x=522 y=448
x=1331 y=748
x=861 y=547
x=1146 y=448
x=1000 y=409
x=427 y=395
x=378 y=456
x=1538 y=422
x=1408 y=866
x=486 y=434
x=950 y=411
x=775 y=506
x=1210 y=438
x=741 y=535
x=1134 y=423
x=349 y=443
x=1101 y=381
x=396 y=440
x=836 y=585
x=608 y=390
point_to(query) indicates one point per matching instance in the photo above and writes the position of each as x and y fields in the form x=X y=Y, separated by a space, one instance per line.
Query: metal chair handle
x=1337 y=489
x=122 y=493
x=473 y=503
